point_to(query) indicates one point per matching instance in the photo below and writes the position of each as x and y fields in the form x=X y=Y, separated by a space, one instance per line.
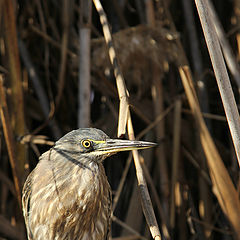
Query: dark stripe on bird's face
x=72 y=156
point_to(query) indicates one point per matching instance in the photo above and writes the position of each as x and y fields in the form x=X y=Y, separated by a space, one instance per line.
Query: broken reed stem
x=50 y=40
x=40 y=92
x=125 y=118
x=145 y=197
x=221 y=74
x=155 y=122
x=231 y=61
x=8 y=134
x=175 y=158
x=195 y=163
x=64 y=46
x=122 y=180
x=124 y=225
x=156 y=199
x=223 y=186
x=121 y=86
x=15 y=73
x=84 y=79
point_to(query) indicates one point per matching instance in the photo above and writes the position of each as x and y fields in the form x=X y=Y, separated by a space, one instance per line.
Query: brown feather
x=72 y=207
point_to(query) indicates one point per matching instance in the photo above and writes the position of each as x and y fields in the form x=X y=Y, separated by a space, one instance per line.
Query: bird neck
x=84 y=176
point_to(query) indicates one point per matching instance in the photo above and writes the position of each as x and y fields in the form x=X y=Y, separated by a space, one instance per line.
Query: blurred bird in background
x=67 y=196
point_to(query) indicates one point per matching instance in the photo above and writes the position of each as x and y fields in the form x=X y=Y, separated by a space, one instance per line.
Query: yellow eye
x=86 y=143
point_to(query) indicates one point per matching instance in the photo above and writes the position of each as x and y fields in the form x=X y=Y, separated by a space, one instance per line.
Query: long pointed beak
x=117 y=145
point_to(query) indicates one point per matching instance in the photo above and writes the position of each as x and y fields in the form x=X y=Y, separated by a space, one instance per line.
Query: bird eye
x=86 y=143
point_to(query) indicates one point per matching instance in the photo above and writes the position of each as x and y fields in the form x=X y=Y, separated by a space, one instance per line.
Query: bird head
x=94 y=145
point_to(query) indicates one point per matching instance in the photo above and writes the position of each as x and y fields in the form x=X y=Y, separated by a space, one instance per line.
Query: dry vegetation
x=174 y=100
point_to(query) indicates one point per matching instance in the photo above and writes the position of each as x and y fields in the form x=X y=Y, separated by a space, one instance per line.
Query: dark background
x=150 y=48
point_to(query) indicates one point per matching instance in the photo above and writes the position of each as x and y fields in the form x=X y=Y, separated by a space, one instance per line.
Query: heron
x=67 y=196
